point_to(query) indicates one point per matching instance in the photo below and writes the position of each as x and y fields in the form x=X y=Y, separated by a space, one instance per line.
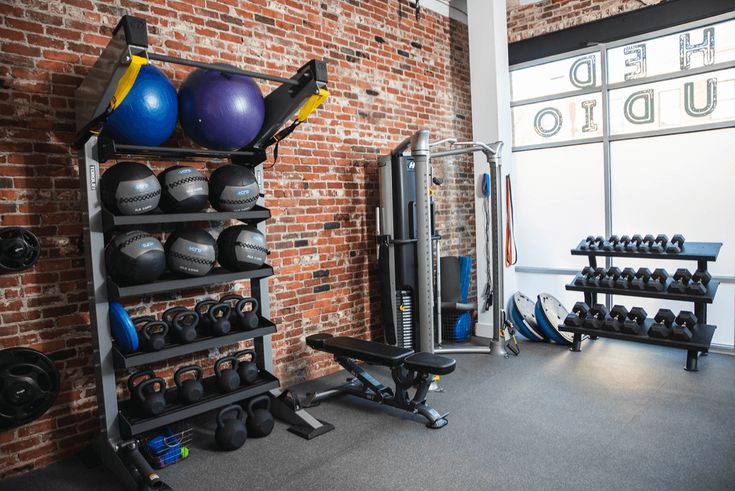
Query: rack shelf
x=255 y=215
x=172 y=283
x=131 y=423
x=701 y=339
x=691 y=251
x=131 y=360
x=109 y=149
x=629 y=292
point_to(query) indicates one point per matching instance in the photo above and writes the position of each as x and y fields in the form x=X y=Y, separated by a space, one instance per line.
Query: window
x=635 y=136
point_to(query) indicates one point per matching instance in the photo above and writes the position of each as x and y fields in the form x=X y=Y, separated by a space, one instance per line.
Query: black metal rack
x=702 y=252
x=118 y=419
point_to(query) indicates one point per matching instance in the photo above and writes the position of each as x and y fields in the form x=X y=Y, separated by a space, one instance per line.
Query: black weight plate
x=19 y=249
x=29 y=384
x=550 y=314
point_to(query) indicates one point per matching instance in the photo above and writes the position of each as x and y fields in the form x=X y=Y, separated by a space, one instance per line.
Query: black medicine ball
x=233 y=188
x=135 y=257
x=129 y=188
x=191 y=252
x=184 y=190
x=241 y=247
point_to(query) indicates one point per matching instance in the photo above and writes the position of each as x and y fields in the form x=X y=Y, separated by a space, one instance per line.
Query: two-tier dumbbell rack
x=702 y=252
x=119 y=422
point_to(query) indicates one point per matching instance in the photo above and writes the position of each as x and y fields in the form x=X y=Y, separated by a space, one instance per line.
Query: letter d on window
x=646 y=116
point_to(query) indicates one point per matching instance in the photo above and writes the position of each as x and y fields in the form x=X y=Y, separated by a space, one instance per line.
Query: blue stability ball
x=221 y=111
x=147 y=115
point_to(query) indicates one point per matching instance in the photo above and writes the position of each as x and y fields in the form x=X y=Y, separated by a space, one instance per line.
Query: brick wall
x=527 y=20
x=389 y=75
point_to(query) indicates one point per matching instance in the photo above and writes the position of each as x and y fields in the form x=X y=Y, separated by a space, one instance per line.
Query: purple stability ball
x=221 y=111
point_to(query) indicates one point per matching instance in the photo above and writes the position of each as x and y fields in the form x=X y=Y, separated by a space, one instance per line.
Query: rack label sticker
x=92 y=177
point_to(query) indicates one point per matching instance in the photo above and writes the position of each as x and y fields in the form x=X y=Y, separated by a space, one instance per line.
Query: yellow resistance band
x=311 y=104
x=127 y=80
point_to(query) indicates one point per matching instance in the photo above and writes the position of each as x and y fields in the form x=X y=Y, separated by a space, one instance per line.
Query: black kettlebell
x=227 y=379
x=231 y=433
x=260 y=420
x=150 y=401
x=248 y=319
x=190 y=390
x=247 y=370
x=202 y=308
x=184 y=325
x=219 y=319
x=169 y=314
x=153 y=335
x=232 y=300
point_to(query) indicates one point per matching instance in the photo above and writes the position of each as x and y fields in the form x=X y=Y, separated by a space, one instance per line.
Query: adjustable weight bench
x=409 y=370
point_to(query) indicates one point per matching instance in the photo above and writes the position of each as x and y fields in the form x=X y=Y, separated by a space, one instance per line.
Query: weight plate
x=523 y=317
x=550 y=314
x=123 y=329
x=19 y=249
x=29 y=384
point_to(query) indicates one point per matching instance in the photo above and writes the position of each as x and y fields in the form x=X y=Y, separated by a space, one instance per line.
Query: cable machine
x=409 y=245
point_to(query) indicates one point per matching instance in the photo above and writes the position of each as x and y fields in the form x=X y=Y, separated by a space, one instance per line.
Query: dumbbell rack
x=702 y=252
x=119 y=422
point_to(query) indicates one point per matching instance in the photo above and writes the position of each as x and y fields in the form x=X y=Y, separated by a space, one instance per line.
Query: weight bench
x=409 y=370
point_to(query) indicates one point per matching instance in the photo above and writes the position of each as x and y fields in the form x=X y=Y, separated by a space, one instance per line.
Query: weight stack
x=404 y=318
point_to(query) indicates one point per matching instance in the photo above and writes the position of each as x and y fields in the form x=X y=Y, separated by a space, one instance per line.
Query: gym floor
x=616 y=416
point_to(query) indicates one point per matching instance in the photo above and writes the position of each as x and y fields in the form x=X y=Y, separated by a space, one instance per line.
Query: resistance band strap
x=511 y=253
x=488 y=292
x=127 y=80
x=309 y=107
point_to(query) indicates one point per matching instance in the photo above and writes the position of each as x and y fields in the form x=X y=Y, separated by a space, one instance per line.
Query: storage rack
x=701 y=252
x=119 y=423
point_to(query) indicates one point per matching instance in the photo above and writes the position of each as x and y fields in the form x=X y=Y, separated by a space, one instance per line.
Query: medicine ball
x=183 y=190
x=148 y=113
x=191 y=251
x=130 y=188
x=135 y=257
x=241 y=247
x=233 y=188
x=222 y=111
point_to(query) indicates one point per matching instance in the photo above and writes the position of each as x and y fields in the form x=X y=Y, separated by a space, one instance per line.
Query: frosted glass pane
x=533 y=284
x=678 y=184
x=721 y=313
x=707 y=45
x=571 y=118
x=556 y=77
x=687 y=101
x=559 y=200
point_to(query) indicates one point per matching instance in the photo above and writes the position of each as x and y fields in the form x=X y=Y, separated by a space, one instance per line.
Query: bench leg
x=312 y=399
x=436 y=420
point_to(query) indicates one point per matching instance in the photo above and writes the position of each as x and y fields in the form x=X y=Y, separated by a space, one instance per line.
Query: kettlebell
x=231 y=433
x=202 y=308
x=260 y=420
x=150 y=401
x=190 y=390
x=185 y=325
x=247 y=370
x=169 y=314
x=227 y=379
x=248 y=319
x=232 y=300
x=154 y=334
x=219 y=326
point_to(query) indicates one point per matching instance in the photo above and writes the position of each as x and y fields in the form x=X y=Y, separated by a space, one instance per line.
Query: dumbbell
x=614 y=322
x=647 y=243
x=634 y=243
x=659 y=243
x=581 y=279
x=635 y=321
x=626 y=277
x=685 y=322
x=596 y=316
x=641 y=279
x=597 y=244
x=612 y=241
x=680 y=282
x=658 y=280
x=622 y=243
x=676 y=244
x=578 y=314
x=700 y=280
x=588 y=242
x=611 y=279
x=664 y=323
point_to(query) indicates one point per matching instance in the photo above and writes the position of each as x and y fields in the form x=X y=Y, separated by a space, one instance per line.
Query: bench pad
x=369 y=351
x=429 y=363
